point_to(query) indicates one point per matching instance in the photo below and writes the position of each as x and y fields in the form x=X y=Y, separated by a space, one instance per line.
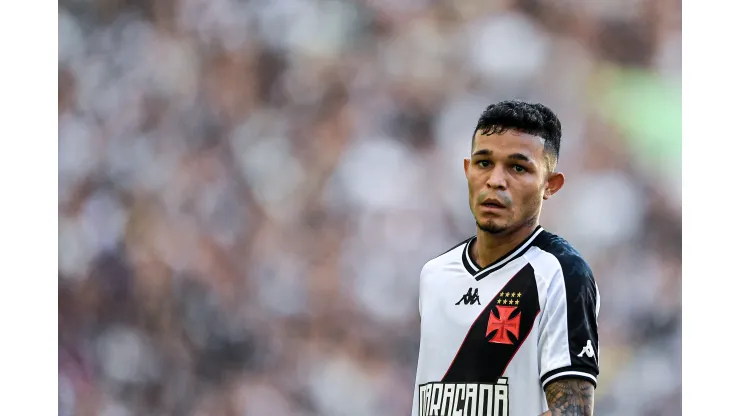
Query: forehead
x=510 y=142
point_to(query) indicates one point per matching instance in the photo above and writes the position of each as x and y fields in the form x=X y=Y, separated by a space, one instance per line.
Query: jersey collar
x=475 y=270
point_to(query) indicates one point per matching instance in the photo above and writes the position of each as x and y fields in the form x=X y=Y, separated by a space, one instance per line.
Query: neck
x=489 y=247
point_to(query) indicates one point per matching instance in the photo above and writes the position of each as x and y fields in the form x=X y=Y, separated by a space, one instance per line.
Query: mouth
x=493 y=204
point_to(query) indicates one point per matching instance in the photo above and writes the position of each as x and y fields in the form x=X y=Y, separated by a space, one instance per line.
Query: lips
x=493 y=204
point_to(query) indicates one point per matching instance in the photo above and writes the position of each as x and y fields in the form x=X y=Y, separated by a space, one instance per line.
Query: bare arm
x=570 y=397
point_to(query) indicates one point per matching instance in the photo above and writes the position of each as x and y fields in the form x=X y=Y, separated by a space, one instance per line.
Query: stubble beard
x=491 y=228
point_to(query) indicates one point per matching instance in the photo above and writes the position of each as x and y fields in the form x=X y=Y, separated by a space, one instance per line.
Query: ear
x=466 y=166
x=555 y=181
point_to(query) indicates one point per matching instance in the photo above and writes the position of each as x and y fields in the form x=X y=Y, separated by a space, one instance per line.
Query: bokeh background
x=248 y=190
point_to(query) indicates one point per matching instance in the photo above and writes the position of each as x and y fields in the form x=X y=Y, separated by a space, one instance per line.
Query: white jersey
x=492 y=338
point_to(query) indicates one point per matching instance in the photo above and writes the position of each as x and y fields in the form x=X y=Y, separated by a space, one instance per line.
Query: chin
x=492 y=227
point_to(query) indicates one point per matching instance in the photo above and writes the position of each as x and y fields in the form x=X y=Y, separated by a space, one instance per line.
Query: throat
x=488 y=248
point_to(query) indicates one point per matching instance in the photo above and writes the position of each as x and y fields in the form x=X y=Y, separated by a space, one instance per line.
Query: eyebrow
x=520 y=157
x=483 y=152
x=514 y=156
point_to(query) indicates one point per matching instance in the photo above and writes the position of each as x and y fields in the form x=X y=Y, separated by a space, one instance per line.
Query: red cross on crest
x=503 y=325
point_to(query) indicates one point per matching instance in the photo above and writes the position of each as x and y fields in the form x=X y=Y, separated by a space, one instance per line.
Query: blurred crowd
x=248 y=190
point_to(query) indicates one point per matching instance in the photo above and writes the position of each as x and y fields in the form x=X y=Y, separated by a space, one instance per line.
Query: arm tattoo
x=570 y=397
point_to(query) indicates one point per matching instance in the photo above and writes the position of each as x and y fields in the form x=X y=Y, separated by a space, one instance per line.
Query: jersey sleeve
x=568 y=340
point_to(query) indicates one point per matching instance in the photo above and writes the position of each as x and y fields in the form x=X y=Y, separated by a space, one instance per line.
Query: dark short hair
x=535 y=119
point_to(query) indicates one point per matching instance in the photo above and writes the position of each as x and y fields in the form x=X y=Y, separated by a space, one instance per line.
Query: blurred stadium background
x=248 y=190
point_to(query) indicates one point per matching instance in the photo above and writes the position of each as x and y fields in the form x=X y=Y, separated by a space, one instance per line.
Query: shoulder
x=562 y=258
x=449 y=257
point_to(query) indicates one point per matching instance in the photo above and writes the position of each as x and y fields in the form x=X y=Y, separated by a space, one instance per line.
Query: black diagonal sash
x=481 y=361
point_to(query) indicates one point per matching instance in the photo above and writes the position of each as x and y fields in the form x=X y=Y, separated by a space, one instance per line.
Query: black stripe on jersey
x=581 y=373
x=465 y=255
x=473 y=268
x=480 y=361
x=581 y=298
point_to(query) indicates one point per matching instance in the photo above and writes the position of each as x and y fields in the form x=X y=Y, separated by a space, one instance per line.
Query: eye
x=519 y=168
x=483 y=163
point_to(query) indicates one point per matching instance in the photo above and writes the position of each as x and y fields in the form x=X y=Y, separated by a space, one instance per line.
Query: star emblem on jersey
x=509 y=298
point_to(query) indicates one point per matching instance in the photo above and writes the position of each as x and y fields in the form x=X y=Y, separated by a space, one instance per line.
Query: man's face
x=508 y=177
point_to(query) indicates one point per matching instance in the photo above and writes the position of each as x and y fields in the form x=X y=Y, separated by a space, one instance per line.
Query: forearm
x=570 y=397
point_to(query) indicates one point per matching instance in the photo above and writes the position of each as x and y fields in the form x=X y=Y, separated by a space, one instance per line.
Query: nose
x=497 y=178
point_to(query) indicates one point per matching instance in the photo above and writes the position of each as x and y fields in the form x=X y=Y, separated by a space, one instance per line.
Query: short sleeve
x=568 y=339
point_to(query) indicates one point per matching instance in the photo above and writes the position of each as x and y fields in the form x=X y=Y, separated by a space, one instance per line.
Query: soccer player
x=508 y=317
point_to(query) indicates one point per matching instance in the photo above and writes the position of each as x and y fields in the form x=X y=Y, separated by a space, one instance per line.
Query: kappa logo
x=470 y=298
x=588 y=350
